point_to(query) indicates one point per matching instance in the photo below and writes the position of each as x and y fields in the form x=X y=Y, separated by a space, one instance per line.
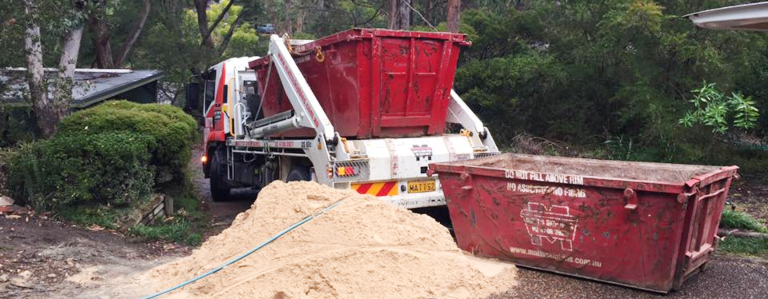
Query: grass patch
x=185 y=199
x=177 y=230
x=740 y=220
x=88 y=216
x=188 y=223
x=184 y=227
x=745 y=246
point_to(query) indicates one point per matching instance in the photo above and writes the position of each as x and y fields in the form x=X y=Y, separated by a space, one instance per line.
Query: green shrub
x=17 y=125
x=107 y=168
x=103 y=164
x=4 y=155
x=171 y=130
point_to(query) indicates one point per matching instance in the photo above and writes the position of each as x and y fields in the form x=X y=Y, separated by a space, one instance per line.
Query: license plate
x=421 y=186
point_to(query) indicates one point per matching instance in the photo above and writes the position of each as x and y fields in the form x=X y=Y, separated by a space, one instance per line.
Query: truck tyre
x=298 y=173
x=219 y=188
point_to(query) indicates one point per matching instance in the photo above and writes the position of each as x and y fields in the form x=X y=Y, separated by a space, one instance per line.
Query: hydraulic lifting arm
x=459 y=113
x=309 y=113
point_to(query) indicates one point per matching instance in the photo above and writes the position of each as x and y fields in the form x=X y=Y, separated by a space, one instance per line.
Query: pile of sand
x=363 y=248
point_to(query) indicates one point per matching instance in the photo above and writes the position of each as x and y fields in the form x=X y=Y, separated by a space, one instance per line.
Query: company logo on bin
x=555 y=224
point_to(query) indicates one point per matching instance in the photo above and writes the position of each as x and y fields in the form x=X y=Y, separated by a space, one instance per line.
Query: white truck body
x=393 y=169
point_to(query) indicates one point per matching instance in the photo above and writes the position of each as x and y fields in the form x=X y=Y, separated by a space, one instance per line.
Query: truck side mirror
x=192 y=92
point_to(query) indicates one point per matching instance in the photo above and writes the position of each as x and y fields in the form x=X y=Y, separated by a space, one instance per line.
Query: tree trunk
x=428 y=10
x=454 y=14
x=65 y=79
x=101 y=36
x=228 y=37
x=218 y=20
x=392 y=14
x=399 y=14
x=134 y=36
x=403 y=15
x=300 y=20
x=35 y=72
x=202 y=22
x=288 y=20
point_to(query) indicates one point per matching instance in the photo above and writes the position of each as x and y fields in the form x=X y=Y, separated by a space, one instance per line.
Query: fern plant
x=713 y=109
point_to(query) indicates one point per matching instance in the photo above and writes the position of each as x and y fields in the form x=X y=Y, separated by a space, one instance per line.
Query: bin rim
x=697 y=181
x=367 y=33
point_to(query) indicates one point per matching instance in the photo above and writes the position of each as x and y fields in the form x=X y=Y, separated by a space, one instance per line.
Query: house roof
x=90 y=87
x=753 y=16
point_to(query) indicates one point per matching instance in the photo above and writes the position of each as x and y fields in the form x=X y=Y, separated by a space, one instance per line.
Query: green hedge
x=107 y=168
x=17 y=125
x=111 y=154
x=172 y=131
x=4 y=156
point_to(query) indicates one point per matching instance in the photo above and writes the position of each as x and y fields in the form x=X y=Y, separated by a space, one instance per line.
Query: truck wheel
x=219 y=188
x=298 y=173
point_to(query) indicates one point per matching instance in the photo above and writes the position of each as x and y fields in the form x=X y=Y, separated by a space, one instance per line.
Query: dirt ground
x=725 y=278
x=43 y=258
x=750 y=194
x=221 y=214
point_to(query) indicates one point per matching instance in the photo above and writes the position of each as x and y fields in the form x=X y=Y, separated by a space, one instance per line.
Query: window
x=210 y=92
x=253 y=100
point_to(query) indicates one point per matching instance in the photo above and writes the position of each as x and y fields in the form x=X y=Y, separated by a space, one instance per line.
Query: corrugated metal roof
x=91 y=85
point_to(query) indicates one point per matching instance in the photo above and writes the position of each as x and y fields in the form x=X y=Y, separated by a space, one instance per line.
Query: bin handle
x=466 y=178
x=713 y=194
x=631 y=197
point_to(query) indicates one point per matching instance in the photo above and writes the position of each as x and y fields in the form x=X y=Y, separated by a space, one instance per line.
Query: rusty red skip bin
x=644 y=225
x=373 y=82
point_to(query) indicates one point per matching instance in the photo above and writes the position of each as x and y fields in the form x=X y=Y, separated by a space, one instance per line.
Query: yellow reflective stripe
x=375 y=189
x=393 y=191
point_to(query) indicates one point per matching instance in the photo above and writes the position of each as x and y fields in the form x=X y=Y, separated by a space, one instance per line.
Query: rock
x=26 y=274
x=4 y=278
x=21 y=283
x=52 y=275
x=5 y=201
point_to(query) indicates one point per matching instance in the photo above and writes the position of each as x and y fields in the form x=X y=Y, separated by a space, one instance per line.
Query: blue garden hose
x=242 y=256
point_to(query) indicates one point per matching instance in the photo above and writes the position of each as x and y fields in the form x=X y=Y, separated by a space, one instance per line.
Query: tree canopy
x=585 y=72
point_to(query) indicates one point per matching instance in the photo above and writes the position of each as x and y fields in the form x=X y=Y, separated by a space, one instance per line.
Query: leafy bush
x=108 y=168
x=103 y=164
x=17 y=125
x=714 y=109
x=171 y=130
x=4 y=155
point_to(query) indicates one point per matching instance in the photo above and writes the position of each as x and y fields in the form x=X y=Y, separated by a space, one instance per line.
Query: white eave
x=752 y=17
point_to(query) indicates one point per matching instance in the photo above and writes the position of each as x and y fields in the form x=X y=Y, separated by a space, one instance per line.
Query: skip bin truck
x=367 y=109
